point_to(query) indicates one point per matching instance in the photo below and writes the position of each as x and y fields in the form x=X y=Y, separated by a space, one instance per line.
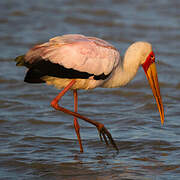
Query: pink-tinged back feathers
x=81 y=53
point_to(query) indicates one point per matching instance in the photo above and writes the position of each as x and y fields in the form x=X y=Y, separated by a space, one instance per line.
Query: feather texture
x=78 y=52
x=41 y=68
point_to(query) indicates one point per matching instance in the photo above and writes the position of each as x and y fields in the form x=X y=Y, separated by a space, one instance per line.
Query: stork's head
x=146 y=58
x=149 y=66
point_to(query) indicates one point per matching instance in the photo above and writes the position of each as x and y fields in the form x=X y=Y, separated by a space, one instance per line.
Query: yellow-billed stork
x=76 y=61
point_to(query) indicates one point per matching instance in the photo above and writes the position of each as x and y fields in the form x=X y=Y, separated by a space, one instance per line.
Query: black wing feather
x=42 y=67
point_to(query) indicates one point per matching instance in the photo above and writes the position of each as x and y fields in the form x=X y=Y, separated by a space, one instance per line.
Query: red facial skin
x=149 y=60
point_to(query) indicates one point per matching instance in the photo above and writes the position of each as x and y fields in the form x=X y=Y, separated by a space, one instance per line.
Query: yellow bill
x=153 y=81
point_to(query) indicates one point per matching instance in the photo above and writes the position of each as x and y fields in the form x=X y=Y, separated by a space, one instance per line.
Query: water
x=37 y=142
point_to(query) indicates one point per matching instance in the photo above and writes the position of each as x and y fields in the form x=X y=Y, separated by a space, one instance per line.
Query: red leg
x=101 y=128
x=76 y=124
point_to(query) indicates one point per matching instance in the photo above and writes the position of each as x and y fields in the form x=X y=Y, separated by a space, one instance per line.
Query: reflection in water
x=40 y=143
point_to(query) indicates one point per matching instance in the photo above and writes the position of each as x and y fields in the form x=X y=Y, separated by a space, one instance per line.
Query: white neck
x=122 y=75
x=126 y=70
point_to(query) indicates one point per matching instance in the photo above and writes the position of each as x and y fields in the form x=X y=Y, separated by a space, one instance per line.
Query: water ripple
x=38 y=142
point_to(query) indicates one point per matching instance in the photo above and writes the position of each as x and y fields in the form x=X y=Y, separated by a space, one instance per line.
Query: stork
x=74 y=61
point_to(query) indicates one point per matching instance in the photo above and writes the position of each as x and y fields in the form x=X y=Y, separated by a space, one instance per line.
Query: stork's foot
x=105 y=135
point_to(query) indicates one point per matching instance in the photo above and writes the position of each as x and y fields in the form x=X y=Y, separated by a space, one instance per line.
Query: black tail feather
x=20 y=61
x=34 y=75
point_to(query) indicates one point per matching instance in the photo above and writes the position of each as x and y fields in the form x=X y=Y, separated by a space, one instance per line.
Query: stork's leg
x=76 y=124
x=101 y=128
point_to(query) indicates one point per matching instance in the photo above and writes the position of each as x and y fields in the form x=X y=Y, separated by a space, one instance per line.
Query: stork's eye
x=152 y=57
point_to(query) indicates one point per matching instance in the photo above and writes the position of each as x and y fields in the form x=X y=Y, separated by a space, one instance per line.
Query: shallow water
x=37 y=142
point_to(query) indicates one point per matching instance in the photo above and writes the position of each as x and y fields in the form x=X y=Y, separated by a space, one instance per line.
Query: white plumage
x=85 y=54
x=81 y=53
x=76 y=62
